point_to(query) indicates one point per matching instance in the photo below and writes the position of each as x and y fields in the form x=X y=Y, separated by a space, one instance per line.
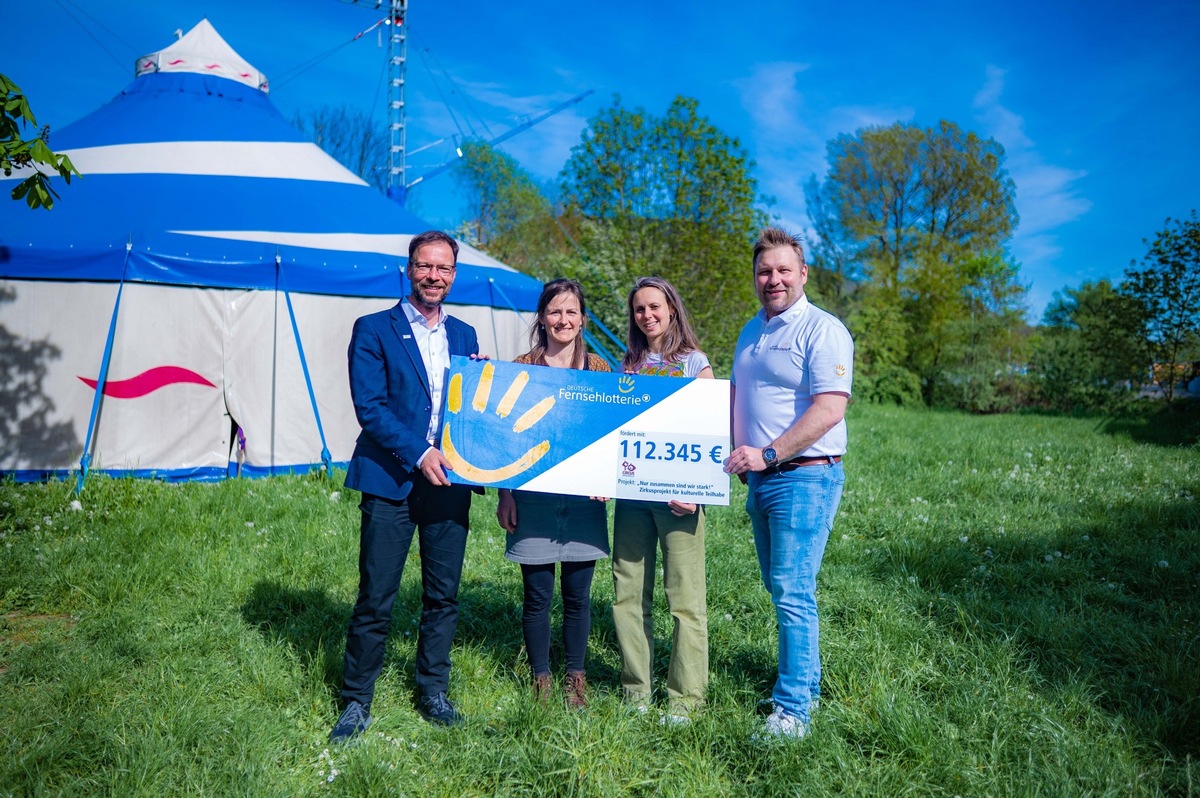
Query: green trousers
x=640 y=528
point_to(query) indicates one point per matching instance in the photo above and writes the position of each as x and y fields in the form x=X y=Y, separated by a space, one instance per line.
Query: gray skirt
x=555 y=528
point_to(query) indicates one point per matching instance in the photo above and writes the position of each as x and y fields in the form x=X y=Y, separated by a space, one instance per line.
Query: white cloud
x=788 y=138
x=1046 y=195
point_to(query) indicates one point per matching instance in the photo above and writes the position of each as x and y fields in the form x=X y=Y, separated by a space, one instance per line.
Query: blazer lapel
x=408 y=343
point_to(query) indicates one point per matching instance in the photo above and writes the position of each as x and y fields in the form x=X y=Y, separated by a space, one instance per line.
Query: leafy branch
x=18 y=153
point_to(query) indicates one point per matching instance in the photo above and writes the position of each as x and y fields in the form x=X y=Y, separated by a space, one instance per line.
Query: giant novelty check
x=587 y=433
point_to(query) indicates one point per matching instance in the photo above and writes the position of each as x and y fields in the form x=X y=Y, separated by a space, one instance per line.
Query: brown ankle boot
x=575 y=688
x=543 y=687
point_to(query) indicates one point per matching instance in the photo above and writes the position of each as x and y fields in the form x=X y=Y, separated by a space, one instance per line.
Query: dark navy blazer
x=391 y=395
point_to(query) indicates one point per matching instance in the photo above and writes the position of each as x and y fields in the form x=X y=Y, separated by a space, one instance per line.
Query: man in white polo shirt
x=791 y=375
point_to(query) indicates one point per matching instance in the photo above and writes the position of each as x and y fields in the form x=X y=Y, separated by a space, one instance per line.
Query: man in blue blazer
x=398 y=364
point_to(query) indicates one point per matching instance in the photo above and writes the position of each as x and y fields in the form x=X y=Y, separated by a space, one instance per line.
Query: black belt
x=801 y=462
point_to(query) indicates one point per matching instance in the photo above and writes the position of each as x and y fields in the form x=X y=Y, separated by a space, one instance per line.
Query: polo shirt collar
x=797 y=309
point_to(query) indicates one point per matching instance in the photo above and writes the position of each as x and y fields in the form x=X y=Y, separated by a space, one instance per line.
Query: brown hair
x=431 y=237
x=679 y=338
x=537 y=331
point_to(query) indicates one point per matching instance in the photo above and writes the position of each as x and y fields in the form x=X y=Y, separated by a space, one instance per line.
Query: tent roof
x=202 y=51
x=195 y=178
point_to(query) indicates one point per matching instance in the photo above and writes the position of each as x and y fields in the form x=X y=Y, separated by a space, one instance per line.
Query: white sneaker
x=780 y=725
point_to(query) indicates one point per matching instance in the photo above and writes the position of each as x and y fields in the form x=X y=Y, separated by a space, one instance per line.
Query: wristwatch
x=770 y=457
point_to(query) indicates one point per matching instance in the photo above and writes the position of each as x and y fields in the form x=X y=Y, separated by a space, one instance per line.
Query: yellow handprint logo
x=454 y=403
x=625 y=384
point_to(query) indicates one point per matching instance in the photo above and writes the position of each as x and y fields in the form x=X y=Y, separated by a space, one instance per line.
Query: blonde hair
x=773 y=238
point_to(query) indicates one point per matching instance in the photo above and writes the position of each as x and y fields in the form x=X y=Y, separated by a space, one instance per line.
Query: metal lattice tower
x=397 y=131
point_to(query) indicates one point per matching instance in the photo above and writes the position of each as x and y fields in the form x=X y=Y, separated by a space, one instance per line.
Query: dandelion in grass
x=249 y=525
x=335 y=496
x=1049 y=558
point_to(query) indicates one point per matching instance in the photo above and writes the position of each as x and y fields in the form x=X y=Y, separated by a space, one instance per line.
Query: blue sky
x=1095 y=103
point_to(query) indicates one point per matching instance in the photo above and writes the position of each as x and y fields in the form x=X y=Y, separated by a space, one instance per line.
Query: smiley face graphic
x=504 y=408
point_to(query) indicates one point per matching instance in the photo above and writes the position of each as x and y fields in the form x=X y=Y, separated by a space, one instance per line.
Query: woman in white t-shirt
x=661 y=343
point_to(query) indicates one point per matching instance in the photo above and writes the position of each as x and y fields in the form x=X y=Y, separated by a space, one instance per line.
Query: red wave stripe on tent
x=148 y=382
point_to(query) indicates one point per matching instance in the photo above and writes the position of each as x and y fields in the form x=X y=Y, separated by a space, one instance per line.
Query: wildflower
x=1162 y=563
x=912 y=580
x=76 y=505
x=1058 y=554
x=1049 y=558
x=1086 y=538
x=250 y=525
x=335 y=496
x=963 y=539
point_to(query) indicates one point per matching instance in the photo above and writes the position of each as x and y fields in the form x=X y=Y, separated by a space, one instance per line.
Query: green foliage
x=908 y=198
x=1168 y=287
x=508 y=216
x=670 y=195
x=1090 y=352
x=1007 y=608
x=351 y=138
x=17 y=153
x=913 y=223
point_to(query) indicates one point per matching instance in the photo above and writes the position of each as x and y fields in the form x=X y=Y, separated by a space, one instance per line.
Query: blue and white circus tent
x=184 y=310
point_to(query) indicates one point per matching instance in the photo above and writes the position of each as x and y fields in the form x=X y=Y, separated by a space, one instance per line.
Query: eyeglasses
x=422 y=269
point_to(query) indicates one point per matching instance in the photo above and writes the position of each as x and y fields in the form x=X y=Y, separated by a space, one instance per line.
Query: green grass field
x=1010 y=607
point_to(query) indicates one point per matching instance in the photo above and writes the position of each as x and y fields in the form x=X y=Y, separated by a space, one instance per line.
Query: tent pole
x=326 y=458
x=492 y=316
x=85 y=462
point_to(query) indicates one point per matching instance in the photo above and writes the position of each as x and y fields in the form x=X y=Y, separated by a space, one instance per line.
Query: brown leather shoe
x=543 y=687
x=575 y=688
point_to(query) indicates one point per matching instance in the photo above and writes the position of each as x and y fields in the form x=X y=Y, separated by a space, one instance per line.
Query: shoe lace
x=354 y=715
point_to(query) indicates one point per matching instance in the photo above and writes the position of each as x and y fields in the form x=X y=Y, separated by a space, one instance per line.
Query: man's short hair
x=773 y=238
x=432 y=237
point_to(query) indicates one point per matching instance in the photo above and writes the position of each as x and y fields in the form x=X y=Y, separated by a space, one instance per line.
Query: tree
x=670 y=195
x=17 y=153
x=924 y=215
x=1168 y=287
x=508 y=216
x=350 y=137
x=1091 y=350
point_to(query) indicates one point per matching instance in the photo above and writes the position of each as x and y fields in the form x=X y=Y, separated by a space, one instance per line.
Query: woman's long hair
x=679 y=338
x=537 y=331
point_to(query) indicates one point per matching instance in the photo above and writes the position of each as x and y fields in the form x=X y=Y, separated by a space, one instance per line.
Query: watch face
x=769 y=456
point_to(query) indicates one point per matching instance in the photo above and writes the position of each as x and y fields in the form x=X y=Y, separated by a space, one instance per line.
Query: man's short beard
x=420 y=300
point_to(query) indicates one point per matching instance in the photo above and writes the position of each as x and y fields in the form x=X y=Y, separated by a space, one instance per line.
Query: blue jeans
x=792 y=514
